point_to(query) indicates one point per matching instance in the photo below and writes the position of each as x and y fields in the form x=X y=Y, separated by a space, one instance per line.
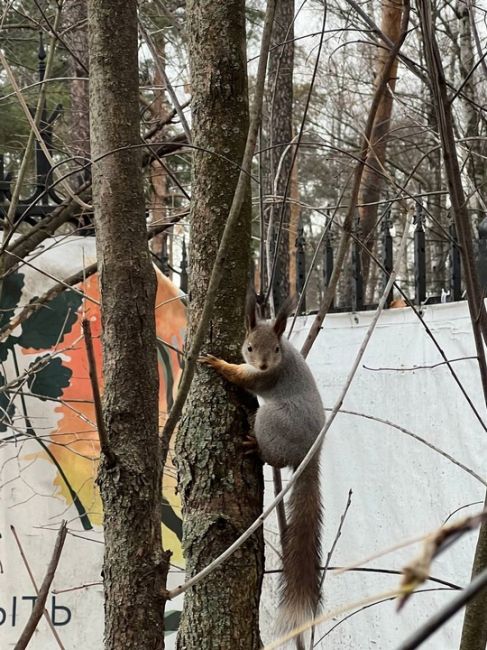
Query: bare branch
x=38 y=608
x=100 y=423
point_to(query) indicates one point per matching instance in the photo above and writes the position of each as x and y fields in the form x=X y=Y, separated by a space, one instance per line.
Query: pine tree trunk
x=221 y=489
x=370 y=189
x=134 y=565
x=279 y=112
x=75 y=13
x=475 y=164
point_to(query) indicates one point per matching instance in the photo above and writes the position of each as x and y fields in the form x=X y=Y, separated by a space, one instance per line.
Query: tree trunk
x=135 y=566
x=371 y=184
x=294 y=219
x=221 y=489
x=475 y=164
x=280 y=133
x=75 y=16
x=157 y=174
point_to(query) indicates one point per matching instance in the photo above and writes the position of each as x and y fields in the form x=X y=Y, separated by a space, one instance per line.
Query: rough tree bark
x=221 y=489
x=135 y=566
x=371 y=184
x=279 y=114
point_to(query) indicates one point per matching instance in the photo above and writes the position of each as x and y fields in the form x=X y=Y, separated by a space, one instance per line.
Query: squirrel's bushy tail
x=300 y=583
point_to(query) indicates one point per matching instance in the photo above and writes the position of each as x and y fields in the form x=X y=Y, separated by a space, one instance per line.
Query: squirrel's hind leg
x=275 y=441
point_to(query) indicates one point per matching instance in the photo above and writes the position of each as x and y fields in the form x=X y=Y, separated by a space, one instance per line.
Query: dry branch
x=38 y=608
x=474 y=636
x=95 y=387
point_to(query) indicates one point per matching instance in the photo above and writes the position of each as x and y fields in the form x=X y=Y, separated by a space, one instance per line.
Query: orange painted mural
x=49 y=443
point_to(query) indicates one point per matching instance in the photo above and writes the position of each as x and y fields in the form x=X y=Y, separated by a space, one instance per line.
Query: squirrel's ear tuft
x=286 y=309
x=250 y=315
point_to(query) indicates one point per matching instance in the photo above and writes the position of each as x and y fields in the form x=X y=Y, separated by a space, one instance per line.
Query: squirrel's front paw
x=250 y=446
x=208 y=359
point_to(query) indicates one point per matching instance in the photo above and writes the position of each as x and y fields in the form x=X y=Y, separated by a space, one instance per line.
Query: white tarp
x=401 y=488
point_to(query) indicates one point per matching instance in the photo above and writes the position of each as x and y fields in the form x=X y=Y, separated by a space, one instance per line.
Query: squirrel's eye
x=277 y=349
x=249 y=348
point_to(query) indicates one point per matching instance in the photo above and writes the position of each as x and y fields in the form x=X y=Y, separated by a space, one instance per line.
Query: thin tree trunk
x=75 y=14
x=157 y=174
x=295 y=216
x=221 y=489
x=471 y=128
x=135 y=566
x=467 y=60
x=280 y=133
x=371 y=185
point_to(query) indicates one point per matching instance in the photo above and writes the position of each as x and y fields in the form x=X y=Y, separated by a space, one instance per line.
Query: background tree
x=370 y=189
x=221 y=490
x=75 y=18
x=279 y=156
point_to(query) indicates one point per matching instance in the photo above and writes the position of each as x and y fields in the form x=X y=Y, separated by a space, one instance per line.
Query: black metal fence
x=418 y=266
x=44 y=200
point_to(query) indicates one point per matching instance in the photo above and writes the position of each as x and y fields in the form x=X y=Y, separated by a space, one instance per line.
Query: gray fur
x=286 y=425
x=292 y=415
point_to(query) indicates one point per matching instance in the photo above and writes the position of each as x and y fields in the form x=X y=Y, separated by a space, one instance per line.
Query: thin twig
x=161 y=70
x=477 y=585
x=95 y=584
x=423 y=441
x=40 y=602
x=337 y=536
x=426 y=367
x=32 y=579
x=329 y=556
x=365 y=569
x=100 y=423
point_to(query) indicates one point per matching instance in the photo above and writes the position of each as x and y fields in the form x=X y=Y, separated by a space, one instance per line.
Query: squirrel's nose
x=263 y=366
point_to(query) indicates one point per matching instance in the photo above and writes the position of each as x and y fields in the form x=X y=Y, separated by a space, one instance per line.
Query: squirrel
x=286 y=425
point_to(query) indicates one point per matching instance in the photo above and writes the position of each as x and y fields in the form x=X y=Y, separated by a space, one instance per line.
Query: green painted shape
x=50 y=380
x=171 y=621
x=166 y=364
x=170 y=519
x=49 y=324
x=11 y=291
x=7 y=408
x=9 y=299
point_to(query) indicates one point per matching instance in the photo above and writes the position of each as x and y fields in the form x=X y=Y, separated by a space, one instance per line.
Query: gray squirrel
x=286 y=425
